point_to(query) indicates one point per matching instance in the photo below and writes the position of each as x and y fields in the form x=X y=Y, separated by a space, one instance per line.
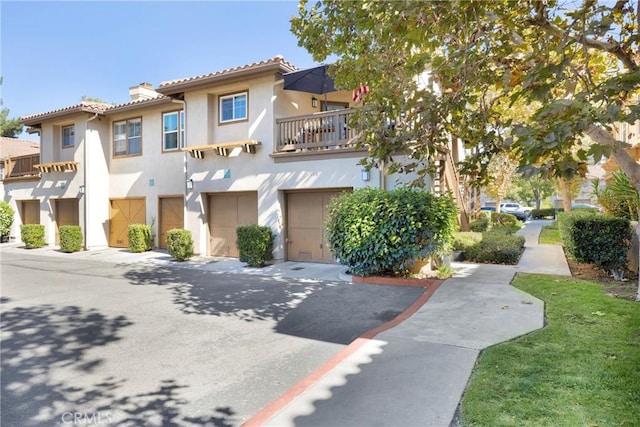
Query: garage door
x=171 y=216
x=66 y=214
x=30 y=212
x=226 y=212
x=306 y=213
x=122 y=213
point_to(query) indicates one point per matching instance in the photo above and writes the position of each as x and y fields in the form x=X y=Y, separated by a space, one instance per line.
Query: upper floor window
x=68 y=136
x=173 y=130
x=233 y=107
x=127 y=137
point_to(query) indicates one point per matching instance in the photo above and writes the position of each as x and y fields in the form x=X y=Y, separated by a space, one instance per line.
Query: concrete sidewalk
x=415 y=373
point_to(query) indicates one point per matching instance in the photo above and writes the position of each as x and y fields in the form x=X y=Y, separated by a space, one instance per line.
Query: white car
x=516 y=209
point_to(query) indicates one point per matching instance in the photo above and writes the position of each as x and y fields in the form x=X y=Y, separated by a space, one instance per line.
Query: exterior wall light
x=314 y=102
x=366 y=175
x=81 y=188
x=189 y=184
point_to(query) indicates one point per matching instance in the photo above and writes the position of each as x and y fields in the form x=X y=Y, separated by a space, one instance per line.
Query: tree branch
x=541 y=21
x=623 y=159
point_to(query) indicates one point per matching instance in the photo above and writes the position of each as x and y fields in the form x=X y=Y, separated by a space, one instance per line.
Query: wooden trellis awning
x=222 y=148
x=57 y=167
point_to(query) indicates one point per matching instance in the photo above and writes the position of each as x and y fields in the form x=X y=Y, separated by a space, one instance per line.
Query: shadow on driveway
x=336 y=312
x=38 y=339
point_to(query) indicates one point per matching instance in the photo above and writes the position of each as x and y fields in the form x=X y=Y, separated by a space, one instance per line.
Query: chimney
x=142 y=91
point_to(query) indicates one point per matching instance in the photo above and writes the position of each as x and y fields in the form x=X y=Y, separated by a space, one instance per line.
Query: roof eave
x=39 y=118
x=138 y=105
x=175 y=88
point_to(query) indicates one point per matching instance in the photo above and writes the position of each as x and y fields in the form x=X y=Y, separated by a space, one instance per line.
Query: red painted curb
x=396 y=281
x=301 y=386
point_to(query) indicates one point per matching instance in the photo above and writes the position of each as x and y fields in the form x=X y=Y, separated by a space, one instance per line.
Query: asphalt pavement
x=225 y=345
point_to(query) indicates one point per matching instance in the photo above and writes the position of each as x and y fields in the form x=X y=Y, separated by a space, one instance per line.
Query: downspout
x=84 y=181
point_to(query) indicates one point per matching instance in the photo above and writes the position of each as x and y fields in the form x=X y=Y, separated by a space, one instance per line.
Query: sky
x=54 y=53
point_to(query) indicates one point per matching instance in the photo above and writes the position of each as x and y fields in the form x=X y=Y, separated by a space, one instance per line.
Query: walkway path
x=415 y=373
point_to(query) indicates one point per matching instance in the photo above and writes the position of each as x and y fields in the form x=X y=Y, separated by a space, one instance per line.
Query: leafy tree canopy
x=529 y=76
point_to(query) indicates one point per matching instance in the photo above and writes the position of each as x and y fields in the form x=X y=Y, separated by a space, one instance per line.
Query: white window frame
x=72 y=136
x=179 y=131
x=125 y=137
x=233 y=97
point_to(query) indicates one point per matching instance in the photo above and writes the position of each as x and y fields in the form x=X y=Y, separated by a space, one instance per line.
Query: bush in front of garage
x=507 y=220
x=180 y=244
x=255 y=244
x=70 y=238
x=32 y=235
x=6 y=219
x=378 y=232
x=140 y=237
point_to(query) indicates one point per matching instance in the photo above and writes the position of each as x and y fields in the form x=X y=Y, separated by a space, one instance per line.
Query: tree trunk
x=623 y=159
x=498 y=201
x=566 y=195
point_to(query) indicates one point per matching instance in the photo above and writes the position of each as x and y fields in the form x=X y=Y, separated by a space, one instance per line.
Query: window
x=68 y=136
x=173 y=130
x=233 y=107
x=127 y=137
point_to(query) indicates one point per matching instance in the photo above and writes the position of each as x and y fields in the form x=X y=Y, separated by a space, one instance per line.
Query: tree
x=10 y=128
x=576 y=64
x=532 y=189
x=501 y=172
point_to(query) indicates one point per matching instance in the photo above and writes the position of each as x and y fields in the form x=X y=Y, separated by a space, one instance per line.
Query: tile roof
x=84 y=106
x=101 y=108
x=276 y=60
x=13 y=147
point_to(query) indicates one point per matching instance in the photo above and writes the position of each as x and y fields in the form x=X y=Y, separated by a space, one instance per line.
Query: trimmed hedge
x=545 y=213
x=506 y=220
x=377 y=232
x=463 y=240
x=496 y=247
x=255 y=244
x=140 y=238
x=180 y=244
x=479 y=225
x=32 y=235
x=599 y=240
x=70 y=238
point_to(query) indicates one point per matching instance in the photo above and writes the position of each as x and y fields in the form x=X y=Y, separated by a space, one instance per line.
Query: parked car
x=488 y=208
x=516 y=209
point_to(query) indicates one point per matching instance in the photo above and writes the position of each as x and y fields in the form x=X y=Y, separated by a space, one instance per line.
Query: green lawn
x=581 y=369
x=550 y=235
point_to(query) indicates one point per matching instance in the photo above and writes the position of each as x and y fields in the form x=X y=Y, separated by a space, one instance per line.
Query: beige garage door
x=122 y=213
x=171 y=216
x=226 y=212
x=306 y=213
x=66 y=214
x=30 y=211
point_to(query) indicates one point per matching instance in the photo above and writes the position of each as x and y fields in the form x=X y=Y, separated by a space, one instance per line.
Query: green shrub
x=180 y=244
x=377 y=232
x=496 y=248
x=140 y=237
x=479 y=225
x=507 y=220
x=599 y=240
x=463 y=240
x=32 y=235
x=565 y=224
x=255 y=244
x=6 y=218
x=70 y=238
x=545 y=213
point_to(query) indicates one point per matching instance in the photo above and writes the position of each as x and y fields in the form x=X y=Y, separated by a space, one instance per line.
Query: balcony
x=21 y=167
x=327 y=130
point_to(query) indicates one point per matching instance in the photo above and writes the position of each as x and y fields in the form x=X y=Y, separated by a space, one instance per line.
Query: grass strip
x=581 y=369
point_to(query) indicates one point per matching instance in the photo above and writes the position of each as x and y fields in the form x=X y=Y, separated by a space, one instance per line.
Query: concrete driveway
x=91 y=342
